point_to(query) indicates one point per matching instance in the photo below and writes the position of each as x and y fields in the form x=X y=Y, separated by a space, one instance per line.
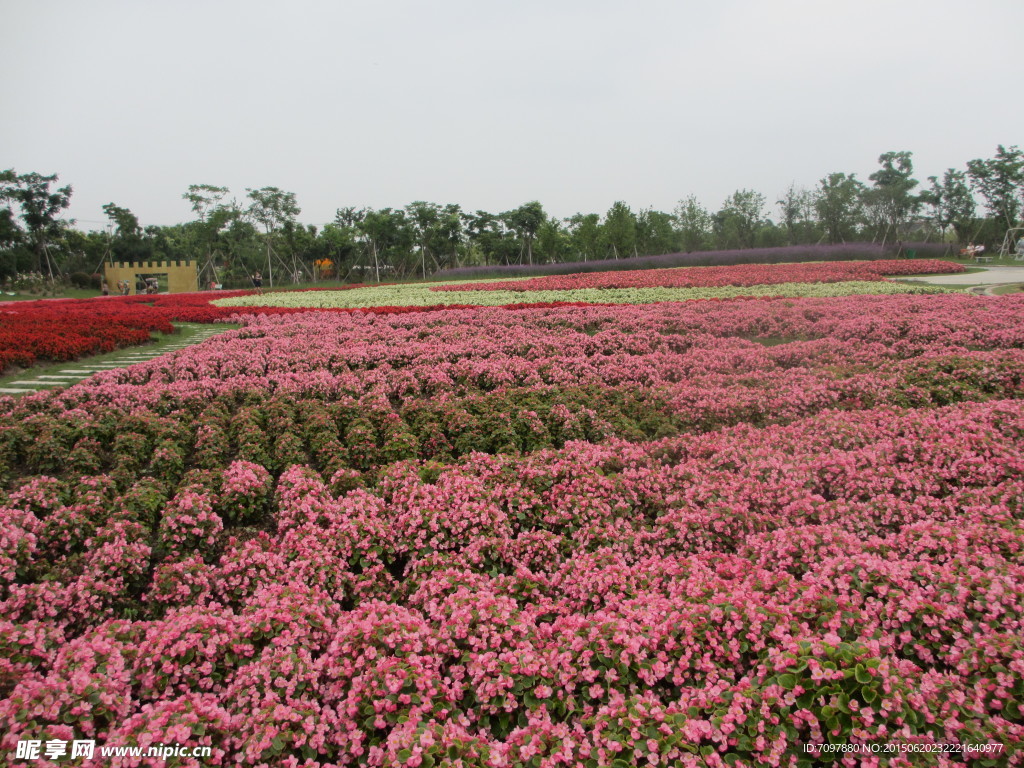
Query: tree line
x=231 y=238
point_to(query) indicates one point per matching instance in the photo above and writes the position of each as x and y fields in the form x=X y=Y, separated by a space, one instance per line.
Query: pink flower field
x=676 y=534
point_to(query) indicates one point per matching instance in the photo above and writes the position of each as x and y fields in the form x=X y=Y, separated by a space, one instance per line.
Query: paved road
x=991 y=276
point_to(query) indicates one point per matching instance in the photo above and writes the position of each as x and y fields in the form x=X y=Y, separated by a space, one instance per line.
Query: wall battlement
x=188 y=264
x=178 y=276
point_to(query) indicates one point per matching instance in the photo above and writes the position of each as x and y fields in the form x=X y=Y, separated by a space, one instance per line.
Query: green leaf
x=787 y=681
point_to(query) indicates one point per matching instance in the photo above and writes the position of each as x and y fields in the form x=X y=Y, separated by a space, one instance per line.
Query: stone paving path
x=82 y=369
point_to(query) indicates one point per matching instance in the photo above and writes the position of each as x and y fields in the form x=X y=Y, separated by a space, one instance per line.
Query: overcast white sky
x=575 y=103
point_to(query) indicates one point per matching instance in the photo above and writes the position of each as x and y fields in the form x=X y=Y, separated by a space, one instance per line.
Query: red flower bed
x=709 y=277
x=68 y=329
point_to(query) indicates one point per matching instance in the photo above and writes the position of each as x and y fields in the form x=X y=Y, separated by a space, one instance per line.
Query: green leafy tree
x=837 y=201
x=203 y=239
x=797 y=208
x=300 y=241
x=82 y=251
x=951 y=202
x=127 y=243
x=205 y=199
x=424 y=219
x=525 y=221
x=272 y=208
x=1000 y=181
x=770 y=235
x=584 y=235
x=340 y=241
x=349 y=217
x=165 y=243
x=10 y=232
x=553 y=243
x=738 y=220
x=448 y=235
x=619 y=230
x=889 y=203
x=126 y=222
x=693 y=223
x=11 y=235
x=655 y=232
x=41 y=206
x=242 y=247
x=339 y=245
x=484 y=234
x=389 y=239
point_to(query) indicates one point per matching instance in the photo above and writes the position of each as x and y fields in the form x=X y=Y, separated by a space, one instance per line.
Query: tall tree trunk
x=40 y=253
x=270 y=263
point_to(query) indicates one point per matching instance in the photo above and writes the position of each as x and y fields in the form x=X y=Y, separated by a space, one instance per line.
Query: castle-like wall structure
x=179 y=276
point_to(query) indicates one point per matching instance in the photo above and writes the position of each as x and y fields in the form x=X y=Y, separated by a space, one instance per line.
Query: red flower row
x=65 y=330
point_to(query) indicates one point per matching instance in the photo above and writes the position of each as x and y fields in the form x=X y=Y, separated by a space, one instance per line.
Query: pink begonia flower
x=840 y=506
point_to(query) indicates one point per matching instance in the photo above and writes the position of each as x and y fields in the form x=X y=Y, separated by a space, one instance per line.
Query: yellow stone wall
x=181 y=276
